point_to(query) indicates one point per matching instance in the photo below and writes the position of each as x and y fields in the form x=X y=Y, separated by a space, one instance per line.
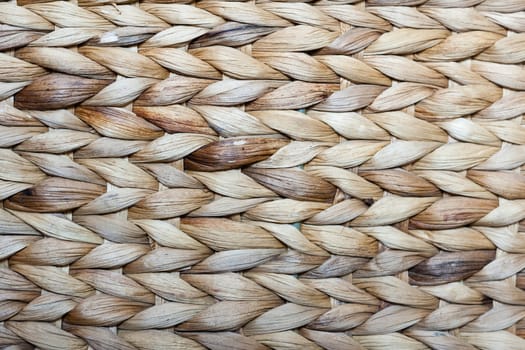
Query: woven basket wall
x=332 y=174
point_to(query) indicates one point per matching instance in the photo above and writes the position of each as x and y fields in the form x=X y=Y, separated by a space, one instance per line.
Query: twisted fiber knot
x=253 y=175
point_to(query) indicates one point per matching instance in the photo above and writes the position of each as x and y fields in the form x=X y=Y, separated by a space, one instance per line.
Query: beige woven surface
x=249 y=175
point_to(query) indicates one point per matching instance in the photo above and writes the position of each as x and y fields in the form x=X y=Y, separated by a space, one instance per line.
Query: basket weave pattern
x=332 y=174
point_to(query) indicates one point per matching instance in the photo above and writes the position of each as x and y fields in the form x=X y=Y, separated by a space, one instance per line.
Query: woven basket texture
x=330 y=174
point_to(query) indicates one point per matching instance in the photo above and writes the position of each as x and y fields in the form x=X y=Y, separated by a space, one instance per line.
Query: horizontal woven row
x=331 y=174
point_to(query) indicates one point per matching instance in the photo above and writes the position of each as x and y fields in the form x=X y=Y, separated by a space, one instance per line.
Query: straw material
x=331 y=174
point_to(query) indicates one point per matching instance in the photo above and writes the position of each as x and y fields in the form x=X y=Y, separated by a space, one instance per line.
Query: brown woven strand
x=330 y=174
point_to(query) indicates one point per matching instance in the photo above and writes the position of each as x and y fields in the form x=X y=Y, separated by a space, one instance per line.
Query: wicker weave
x=332 y=174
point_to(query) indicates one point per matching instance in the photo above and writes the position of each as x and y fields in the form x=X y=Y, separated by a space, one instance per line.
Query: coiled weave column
x=331 y=174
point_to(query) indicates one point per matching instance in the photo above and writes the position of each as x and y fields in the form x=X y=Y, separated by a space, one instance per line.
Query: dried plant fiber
x=238 y=175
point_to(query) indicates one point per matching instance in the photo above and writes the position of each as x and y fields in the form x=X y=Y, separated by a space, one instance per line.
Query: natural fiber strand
x=329 y=174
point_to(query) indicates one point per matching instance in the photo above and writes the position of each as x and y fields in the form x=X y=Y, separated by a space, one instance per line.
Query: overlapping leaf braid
x=333 y=174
